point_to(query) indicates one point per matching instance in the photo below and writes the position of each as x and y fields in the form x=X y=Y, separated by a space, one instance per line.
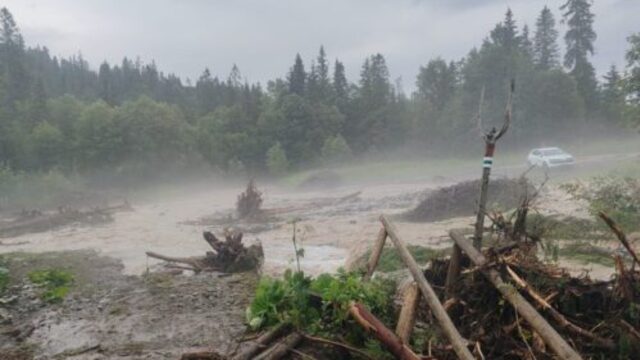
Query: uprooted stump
x=228 y=256
x=249 y=202
x=461 y=199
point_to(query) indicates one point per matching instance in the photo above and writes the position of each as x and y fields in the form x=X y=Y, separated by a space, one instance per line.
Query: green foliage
x=390 y=259
x=19 y=190
x=319 y=305
x=277 y=162
x=4 y=278
x=617 y=197
x=55 y=283
x=336 y=150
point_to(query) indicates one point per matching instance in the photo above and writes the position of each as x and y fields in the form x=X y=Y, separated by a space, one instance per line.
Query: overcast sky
x=263 y=36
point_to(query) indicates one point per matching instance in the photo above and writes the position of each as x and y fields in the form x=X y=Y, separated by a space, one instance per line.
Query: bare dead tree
x=490 y=138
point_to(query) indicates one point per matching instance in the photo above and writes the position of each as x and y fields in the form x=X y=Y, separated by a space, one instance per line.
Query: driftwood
x=376 y=252
x=407 y=317
x=261 y=342
x=372 y=325
x=555 y=314
x=521 y=305
x=228 y=256
x=201 y=355
x=458 y=343
x=280 y=349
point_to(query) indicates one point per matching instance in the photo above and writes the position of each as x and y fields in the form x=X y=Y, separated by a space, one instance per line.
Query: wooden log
x=521 y=305
x=376 y=252
x=188 y=261
x=280 y=349
x=450 y=331
x=407 y=317
x=453 y=272
x=201 y=355
x=559 y=318
x=372 y=325
x=261 y=342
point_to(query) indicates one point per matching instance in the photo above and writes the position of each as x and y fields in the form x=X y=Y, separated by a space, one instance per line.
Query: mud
x=111 y=315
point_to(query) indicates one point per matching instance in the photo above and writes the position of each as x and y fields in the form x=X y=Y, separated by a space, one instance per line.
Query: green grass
x=55 y=283
x=585 y=254
x=390 y=260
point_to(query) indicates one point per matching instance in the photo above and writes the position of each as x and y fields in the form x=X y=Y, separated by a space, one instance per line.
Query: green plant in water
x=54 y=282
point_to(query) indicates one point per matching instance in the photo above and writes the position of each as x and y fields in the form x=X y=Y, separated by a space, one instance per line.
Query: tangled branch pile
x=595 y=317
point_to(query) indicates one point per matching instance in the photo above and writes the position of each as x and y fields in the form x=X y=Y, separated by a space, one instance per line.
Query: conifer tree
x=545 y=43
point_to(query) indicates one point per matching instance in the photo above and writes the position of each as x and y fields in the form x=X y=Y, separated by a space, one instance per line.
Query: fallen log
x=201 y=355
x=376 y=252
x=407 y=317
x=521 y=305
x=372 y=325
x=261 y=342
x=280 y=349
x=450 y=331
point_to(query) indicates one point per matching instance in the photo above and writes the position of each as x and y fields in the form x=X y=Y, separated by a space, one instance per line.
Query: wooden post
x=453 y=272
x=407 y=317
x=537 y=322
x=450 y=331
x=372 y=325
x=376 y=252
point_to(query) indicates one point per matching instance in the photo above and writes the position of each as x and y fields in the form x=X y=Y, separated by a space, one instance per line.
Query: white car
x=550 y=157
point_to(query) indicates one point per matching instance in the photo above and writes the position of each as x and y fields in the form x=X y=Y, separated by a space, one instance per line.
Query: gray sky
x=263 y=36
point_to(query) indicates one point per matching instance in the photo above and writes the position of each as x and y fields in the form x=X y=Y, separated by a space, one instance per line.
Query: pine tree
x=340 y=86
x=579 y=39
x=525 y=42
x=297 y=77
x=613 y=95
x=545 y=43
x=324 y=84
x=12 y=58
x=505 y=34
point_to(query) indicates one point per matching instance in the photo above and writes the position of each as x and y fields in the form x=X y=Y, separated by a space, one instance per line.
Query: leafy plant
x=618 y=197
x=4 y=278
x=54 y=282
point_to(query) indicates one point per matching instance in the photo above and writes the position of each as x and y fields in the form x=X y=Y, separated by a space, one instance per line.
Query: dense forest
x=62 y=114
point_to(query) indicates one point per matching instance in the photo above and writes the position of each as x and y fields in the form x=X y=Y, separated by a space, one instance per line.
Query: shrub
x=336 y=150
x=277 y=162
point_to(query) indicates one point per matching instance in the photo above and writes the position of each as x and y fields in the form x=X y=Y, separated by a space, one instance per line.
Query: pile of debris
x=229 y=256
x=33 y=221
x=461 y=199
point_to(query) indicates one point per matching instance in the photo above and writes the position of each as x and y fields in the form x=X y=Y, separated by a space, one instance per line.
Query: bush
x=277 y=162
x=54 y=282
x=4 y=278
x=320 y=305
x=336 y=150
x=617 y=197
x=20 y=190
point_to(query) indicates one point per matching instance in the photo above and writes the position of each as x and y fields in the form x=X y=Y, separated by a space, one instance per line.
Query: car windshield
x=552 y=152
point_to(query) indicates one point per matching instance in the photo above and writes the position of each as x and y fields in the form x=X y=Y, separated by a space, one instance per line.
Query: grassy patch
x=586 y=254
x=390 y=259
x=562 y=227
x=55 y=283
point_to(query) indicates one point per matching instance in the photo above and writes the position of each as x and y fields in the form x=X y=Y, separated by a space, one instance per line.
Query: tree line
x=61 y=114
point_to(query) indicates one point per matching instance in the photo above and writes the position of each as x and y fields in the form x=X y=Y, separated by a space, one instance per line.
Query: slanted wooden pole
x=407 y=317
x=376 y=252
x=372 y=325
x=457 y=342
x=521 y=305
x=261 y=342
